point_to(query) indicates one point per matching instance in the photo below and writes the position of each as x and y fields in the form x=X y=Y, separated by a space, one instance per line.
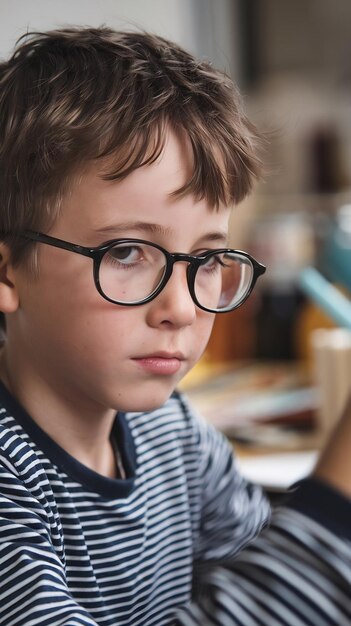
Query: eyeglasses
x=131 y=272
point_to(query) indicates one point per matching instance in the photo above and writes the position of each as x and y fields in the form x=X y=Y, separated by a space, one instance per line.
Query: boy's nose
x=174 y=305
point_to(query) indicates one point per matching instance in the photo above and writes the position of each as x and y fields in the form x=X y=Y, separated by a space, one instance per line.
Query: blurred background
x=291 y=60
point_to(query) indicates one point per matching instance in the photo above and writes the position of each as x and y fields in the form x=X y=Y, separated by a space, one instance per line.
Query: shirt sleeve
x=232 y=511
x=33 y=588
x=296 y=573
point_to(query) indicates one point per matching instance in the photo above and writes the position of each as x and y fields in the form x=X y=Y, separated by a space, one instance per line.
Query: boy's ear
x=9 y=299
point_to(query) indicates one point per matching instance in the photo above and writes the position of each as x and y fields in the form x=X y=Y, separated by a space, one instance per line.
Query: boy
x=120 y=158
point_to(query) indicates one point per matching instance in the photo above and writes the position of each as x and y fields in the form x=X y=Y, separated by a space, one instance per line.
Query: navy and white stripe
x=80 y=549
x=296 y=573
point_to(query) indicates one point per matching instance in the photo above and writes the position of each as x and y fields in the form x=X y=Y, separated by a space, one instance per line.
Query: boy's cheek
x=208 y=324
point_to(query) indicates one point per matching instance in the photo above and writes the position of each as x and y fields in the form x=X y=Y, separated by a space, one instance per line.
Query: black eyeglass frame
x=194 y=262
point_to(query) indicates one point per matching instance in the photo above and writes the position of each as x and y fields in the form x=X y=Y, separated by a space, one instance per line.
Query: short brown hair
x=79 y=94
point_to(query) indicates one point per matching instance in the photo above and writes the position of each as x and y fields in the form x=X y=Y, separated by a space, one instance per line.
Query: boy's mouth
x=161 y=363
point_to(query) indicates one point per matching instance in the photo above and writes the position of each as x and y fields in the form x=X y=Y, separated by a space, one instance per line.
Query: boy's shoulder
x=178 y=426
x=13 y=440
x=20 y=460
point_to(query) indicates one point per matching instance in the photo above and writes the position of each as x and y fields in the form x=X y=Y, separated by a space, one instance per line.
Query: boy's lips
x=161 y=363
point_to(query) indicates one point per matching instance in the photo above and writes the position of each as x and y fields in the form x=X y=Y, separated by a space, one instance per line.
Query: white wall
x=172 y=18
x=204 y=27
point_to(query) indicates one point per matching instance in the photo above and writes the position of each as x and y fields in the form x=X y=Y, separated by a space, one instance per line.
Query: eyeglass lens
x=130 y=272
x=223 y=280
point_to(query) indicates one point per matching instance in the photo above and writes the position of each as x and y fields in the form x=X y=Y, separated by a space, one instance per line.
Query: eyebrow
x=156 y=229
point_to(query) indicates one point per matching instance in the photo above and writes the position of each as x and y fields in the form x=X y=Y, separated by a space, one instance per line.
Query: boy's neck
x=85 y=433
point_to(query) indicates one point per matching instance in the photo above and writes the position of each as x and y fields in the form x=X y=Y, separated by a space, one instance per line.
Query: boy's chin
x=144 y=404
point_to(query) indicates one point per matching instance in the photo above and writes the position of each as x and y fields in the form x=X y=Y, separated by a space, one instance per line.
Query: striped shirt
x=296 y=573
x=77 y=548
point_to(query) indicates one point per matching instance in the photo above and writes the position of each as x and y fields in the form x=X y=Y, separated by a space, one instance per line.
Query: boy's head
x=74 y=96
x=112 y=136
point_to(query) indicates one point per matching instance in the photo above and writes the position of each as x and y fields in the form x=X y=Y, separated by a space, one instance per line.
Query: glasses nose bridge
x=180 y=257
x=192 y=265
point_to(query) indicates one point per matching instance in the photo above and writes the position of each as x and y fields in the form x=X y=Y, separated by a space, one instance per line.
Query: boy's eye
x=214 y=261
x=126 y=254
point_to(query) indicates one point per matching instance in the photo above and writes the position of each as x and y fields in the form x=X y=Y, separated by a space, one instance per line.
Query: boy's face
x=93 y=352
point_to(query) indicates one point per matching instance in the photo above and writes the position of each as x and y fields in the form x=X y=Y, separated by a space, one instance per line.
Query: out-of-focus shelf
x=238 y=395
x=268 y=411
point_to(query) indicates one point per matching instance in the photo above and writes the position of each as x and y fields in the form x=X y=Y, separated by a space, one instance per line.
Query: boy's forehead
x=105 y=210
x=145 y=196
x=171 y=169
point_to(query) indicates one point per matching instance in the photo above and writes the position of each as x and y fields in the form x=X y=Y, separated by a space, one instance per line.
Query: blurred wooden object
x=233 y=336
